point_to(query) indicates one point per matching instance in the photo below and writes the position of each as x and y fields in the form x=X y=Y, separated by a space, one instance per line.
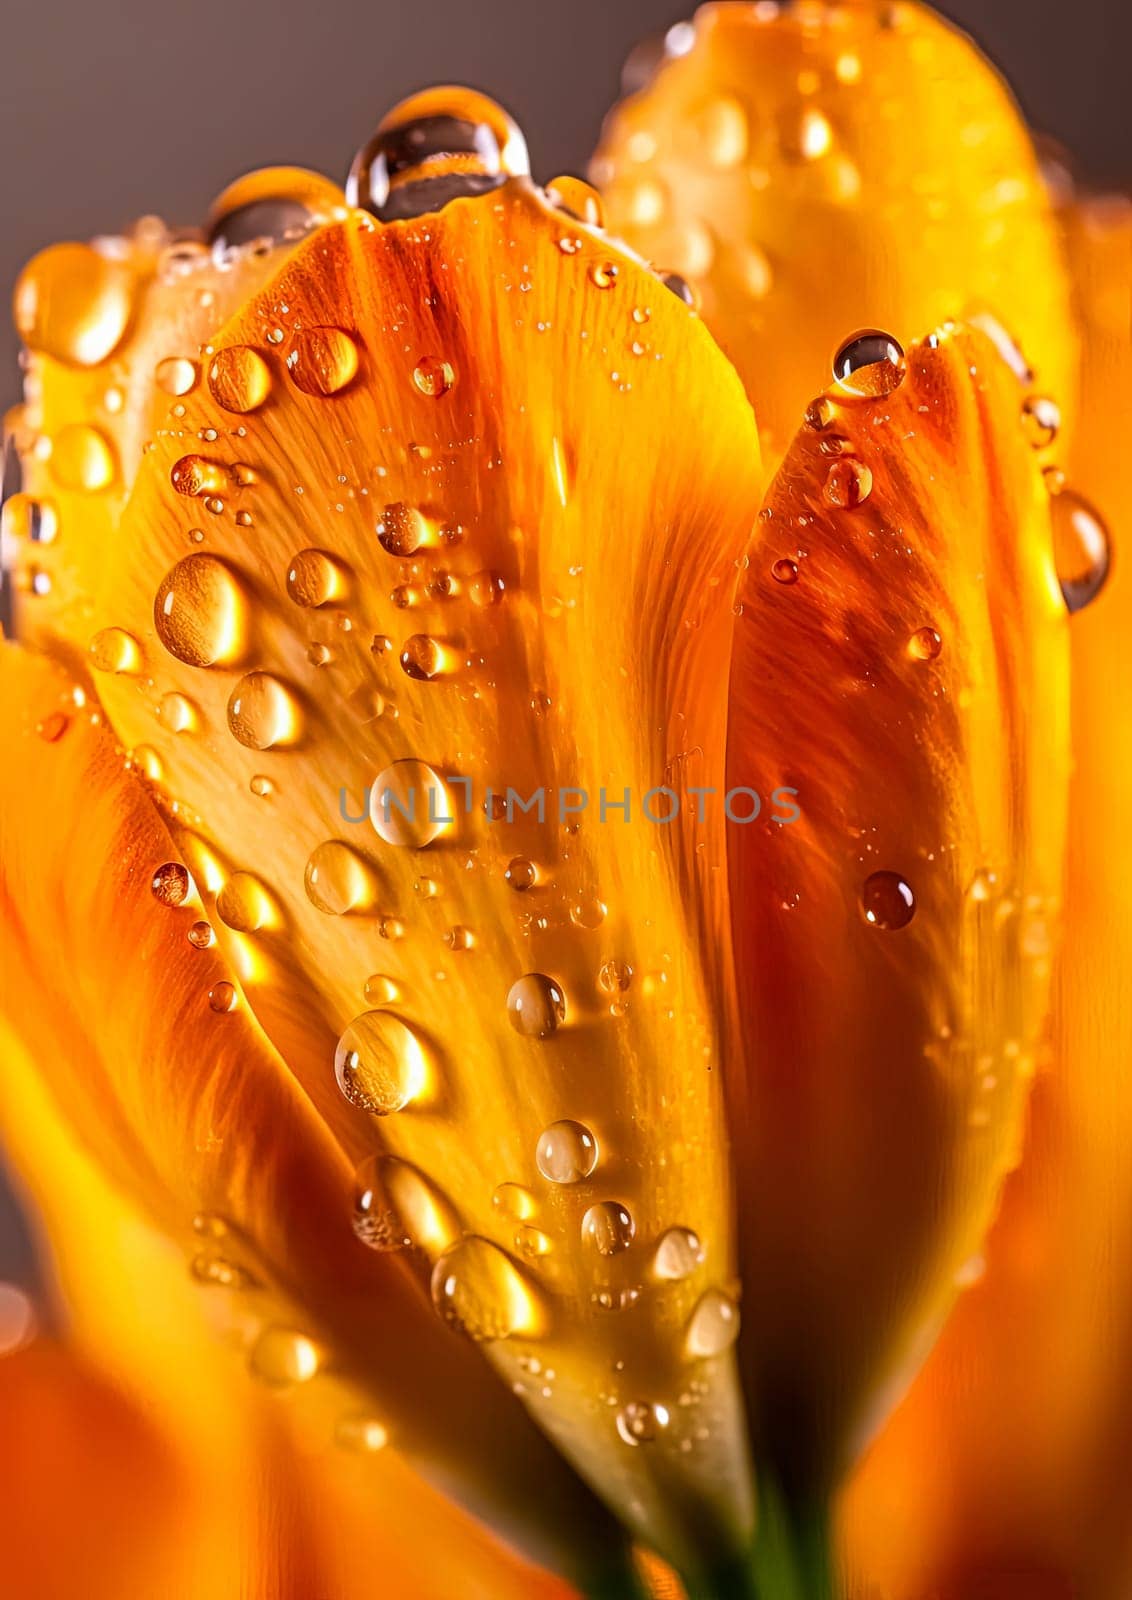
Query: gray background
x=121 y=107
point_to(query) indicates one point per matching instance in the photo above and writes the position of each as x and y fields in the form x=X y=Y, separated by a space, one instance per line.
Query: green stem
x=792 y=1559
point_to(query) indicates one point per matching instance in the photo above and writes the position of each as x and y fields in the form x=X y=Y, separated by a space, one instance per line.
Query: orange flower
x=466 y=802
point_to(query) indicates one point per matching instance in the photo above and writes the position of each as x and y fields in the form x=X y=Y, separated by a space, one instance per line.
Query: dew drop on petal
x=222 y=996
x=848 y=483
x=608 y=1227
x=200 y=612
x=314 y=578
x=171 y=884
x=197 y=477
x=1081 y=548
x=521 y=874
x=402 y=530
x=176 y=375
x=678 y=1254
x=115 y=650
x=578 y=199
x=282 y=1358
x=925 y=644
x=640 y=1422
x=713 y=1326
x=380 y=1063
x=870 y=364
x=433 y=376
x=201 y=936
x=82 y=458
x=263 y=714
x=74 y=304
x=338 y=880
x=514 y=1201
x=322 y=361
x=566 y=1152
x=360 y=1433
x=887 y=901
x=785 y=571
x=1041 y=420
x=410 y=805
x=536 y=1006
x=478 y=1288
x=239 y=379
x=244 y=905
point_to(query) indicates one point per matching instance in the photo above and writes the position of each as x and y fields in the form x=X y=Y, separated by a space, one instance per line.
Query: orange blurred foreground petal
x=1011 y=1458
x=900 y=662
x=812 y=169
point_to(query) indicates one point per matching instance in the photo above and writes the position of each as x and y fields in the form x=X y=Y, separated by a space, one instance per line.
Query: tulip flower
x=556 y=922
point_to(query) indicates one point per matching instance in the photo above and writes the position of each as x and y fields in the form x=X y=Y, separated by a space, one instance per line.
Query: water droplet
x=478 y=1288
x=200 y=613
x=197 y=476
x=115 y=650
x=314 y=579
x=536 y=1006
x=588 y=912
x=870 y=364
x=264 y=207
x=1040 y=420
x=244 y=905
x=819 y=413
x=222 y=997
x=263 y=714
x=380 y=1064
x=177 y=713
x=925 y=644
x=609 y=1227
x=283 y=1358
x=171 y=884
x=201 y=936
x=1080 y=548
x=338 y=880
x=678 y=1254
x=459 y=938
x=380 y=990
x=322 y=361
x=402 y=530
x=74 y=304
x=53 y=727
x=681 y=288
x=217 y=1272
x=377 y=1220
x=176 y=375
x=808 y=139
x=615 y=976
x=848 y=483
x=604 y=274
x=433 y=148
x=713 y=1326
x=521 y=874
x=433 y=377
x=514 y=1201
x=82 y=458
x=531 y=1243
x=639 y=1422
x=361 y=1433
x=239 y=379
x=887 y=901
x=566 y=1152
x=579 y=199
x=423 y=658
x=785 y=571
x=26 y=517
x=261 y=787
x=410 y=805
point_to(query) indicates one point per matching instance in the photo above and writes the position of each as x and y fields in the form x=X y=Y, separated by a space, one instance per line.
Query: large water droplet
x=848 y=483
x=395 y=1206
x=566 y=1152
x=73 y=304
x=314 y=578
x=197 y=476
x=380 y=1063
x=263 y=714
x=887 y=901
x=338 y=880
x=536 y=1006
x=870 y=364
x=239 y=379
x=1080 y=548
x=200 y=612
x=322 y=361
x=678 y=1254
x=433 y=148
x=403 y=530
x=244 y=905
x=608 y=1227
x=479 y=1289
x=410 y=805
x=263 y=207
x=713 y=1326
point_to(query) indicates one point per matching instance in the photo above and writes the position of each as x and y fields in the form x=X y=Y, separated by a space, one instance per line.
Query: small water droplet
x=514 y=1201
x=785 y=571
x=338 y=880
x=566 y=1152
x=870 y=364
x=282 y=1358
x=1081 y=548
x=361 y=1433
x=261 y=786
x=53 y=727
x=640 y=1422
x=201 y=936
x=681 y=288
x=197 y=476
x=239 y=379
x=433 y=376
x=819 y=413
x=380 y=1063
x=217 y=1272
x=177 y=713
x=713 y=1326
x=1041 y=420
x=263 y=714
x=82 y=458
x=433 y=148
x=222 y=996
x=608 y=1227
x=171 y=884
x=424 y=658
x=403 y=530
x=478 y=1288
x=925 y=644
x=887 y=901
x=604 y=274
x=26 y=517
x=848 y=483
x=588 y=912
x=536 y=1006
x=115 y=650
x=176 y=375
x=578 y=199
x=615 y=976
x=410 y=805
x=322 y=361
x=678 y=1254
x=521 y=874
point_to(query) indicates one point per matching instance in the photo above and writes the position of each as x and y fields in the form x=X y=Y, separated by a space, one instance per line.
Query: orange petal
x=900 y=667
x=125 y=1021
x=1011 y=1453
x=467 y=525
x=813 y=169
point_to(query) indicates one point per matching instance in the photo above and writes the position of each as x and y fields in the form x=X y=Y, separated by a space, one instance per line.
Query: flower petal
x=813 y=169
x=470 y=527
x=901 y=667
x=125 y=1022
